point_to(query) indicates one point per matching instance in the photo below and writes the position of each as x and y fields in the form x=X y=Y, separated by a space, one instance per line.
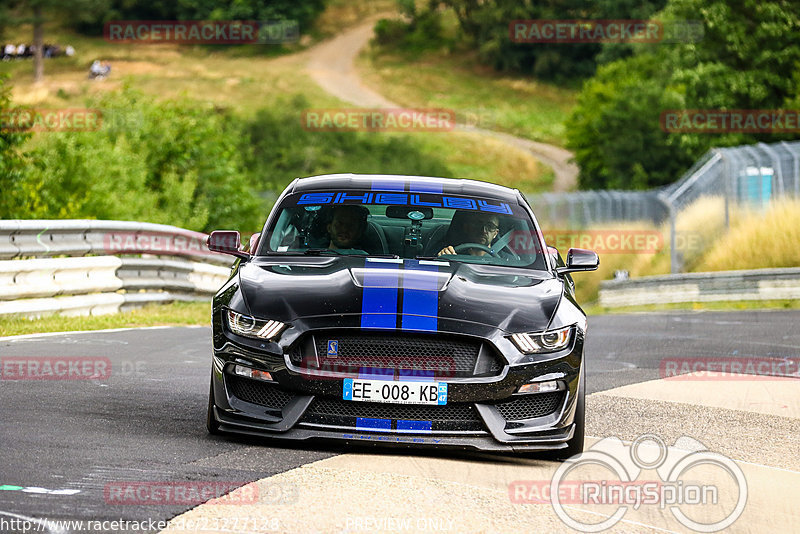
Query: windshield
x=431 y=226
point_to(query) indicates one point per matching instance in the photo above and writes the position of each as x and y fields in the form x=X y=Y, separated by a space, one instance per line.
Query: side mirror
x=578 y=260
x=552 y=256
x=254 y=239
x=227 y=242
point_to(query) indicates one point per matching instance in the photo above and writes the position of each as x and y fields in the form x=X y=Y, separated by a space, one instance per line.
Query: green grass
x=734 y=305
x=513 y=104
x=175 y=314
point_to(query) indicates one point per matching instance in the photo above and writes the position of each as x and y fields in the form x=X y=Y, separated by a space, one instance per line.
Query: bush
x=12 y=163
x=172 y=163
x=423 y=31
x=278 y=149
x=187 y=164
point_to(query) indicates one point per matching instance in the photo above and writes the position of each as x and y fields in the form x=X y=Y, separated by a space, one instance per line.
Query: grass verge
x=174 y=314
x=513 y=104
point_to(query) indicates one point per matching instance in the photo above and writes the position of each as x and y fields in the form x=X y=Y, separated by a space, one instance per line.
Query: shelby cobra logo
x=333 y=348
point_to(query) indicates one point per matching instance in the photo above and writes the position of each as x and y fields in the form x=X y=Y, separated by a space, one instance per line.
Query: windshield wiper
x=321 y=251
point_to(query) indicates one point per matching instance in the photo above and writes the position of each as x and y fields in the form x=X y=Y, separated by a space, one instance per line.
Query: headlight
x=244 y=325
x=540 y=342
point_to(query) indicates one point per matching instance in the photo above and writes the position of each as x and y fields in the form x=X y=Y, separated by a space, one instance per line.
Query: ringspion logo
x=703 y=490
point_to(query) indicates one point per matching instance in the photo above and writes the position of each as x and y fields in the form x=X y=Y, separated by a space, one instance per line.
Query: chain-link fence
x=749 y=176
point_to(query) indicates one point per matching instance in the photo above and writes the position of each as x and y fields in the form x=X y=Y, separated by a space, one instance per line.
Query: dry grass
x=514 y=104
x=758 y=241
x=480 y=158
x=754 y=240
x=341 y=14
x=637 y=263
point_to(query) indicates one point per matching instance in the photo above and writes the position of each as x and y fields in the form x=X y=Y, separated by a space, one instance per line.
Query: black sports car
x=403 y=310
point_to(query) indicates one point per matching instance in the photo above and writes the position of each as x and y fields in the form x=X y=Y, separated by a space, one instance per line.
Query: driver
x=466 y=227
x=347 y=227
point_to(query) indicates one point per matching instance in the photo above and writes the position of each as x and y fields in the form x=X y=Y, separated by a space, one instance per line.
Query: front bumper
x=483 y=412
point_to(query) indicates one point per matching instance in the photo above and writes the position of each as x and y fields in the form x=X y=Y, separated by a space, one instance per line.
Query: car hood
x=406 y=294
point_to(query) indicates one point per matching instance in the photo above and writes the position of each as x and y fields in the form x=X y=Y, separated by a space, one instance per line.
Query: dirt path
x=332 y=65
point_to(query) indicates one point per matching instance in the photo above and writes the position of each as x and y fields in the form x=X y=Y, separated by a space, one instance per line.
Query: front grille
x=257 y=392
x=530 y=406
x=444 y=356
x=455 y=416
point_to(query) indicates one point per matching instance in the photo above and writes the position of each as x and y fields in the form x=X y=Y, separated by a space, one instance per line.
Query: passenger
x=467 y=227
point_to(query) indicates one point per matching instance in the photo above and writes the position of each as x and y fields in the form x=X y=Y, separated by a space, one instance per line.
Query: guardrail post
x=728 y=177
x=674 y=259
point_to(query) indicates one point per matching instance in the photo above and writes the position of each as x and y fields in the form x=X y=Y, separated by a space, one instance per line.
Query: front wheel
x=211 y=422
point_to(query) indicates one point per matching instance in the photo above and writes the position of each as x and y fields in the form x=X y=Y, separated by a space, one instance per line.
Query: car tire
x=575 y=444
x=211 y=422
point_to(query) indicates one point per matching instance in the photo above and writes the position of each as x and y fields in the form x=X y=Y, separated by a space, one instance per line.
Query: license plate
x=398 y=392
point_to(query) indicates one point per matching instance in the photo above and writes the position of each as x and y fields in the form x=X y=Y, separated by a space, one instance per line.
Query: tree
x=12 y=162
x=742 y=62
x=36 y=12
x=485 y=26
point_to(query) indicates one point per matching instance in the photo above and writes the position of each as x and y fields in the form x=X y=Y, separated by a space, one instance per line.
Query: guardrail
x=84 y=267
x=758 y=284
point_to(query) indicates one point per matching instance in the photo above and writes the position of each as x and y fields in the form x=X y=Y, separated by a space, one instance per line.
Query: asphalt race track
x=66 y=444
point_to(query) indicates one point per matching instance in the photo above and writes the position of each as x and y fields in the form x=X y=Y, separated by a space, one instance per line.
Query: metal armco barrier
x=21 y=238
x=759 y=284
x=80 y=267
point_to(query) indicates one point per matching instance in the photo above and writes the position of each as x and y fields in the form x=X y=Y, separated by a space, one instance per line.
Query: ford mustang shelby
x=403 y=310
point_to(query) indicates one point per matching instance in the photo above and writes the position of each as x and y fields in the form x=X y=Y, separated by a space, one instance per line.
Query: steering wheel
x=464 y=246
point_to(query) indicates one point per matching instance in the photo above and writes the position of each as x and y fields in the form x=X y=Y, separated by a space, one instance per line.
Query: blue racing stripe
x=379 y=298
x=419 y=426
x=416 y=375
x=376 y=373
x=368 y=423
x=420 y=297
x=387 y=185
x=425 y=187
